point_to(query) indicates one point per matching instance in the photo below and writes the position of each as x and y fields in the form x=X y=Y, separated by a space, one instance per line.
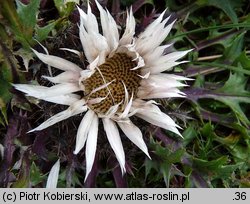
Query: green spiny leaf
x=244 y=60
x=41 y=33
x=235 y=88
x=228 y=6
x=210 y=165
x=165 y=169
x=225 y=171
x=27 y=15
x=235 y=48
x=36 y=176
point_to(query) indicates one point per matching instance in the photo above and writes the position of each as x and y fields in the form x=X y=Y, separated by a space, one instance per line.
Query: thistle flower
x=124 y=72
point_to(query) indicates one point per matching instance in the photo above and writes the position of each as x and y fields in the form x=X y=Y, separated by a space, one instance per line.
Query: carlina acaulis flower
x=123 y=76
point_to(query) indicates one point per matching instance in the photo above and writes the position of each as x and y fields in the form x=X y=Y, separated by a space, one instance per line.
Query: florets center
x=117 y=71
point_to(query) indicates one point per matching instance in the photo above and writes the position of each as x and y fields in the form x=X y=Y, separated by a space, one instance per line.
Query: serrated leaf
x=149 y=165
x=241 y=153
x=244 y=60
x=229 y=140
x=234 y=105
x=28 y=15
x=226 y=171
x=176 y=156
x=166 y=172
x=235 y=88
x=36 y=176
x=235 y=48
x=8 y=11
x=235 y=84
x=228 y=6
x=41 y=33
x=210 y=165
x=164 y=164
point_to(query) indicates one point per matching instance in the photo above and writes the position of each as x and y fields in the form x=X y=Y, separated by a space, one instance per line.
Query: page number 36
x=240 y=196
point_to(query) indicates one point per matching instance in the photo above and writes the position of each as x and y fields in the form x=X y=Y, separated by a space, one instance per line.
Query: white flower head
x=124 y=71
